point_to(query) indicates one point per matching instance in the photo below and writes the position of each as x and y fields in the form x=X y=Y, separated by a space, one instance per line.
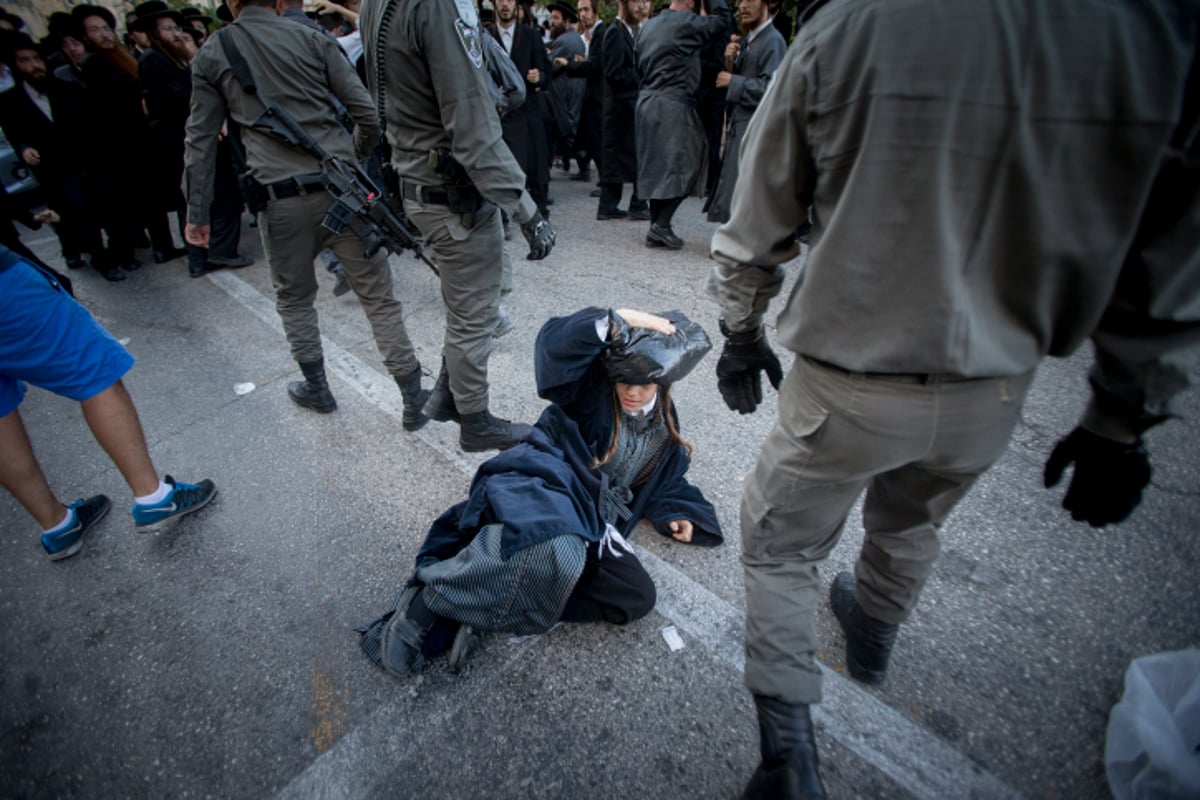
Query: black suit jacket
x=619 y=161
x=60 y=142
x=524 y=129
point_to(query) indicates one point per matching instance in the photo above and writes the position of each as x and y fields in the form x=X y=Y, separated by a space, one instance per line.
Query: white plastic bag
x=1152 y=747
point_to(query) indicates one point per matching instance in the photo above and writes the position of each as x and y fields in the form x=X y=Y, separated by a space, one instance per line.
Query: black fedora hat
x=190 y=14
x=566 y=9
x=146 y=15
x=80 y=13
x=60 y=25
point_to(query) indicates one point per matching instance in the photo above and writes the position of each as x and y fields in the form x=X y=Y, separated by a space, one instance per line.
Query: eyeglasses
x=170 y=29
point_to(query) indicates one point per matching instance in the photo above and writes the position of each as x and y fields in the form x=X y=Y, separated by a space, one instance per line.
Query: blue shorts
x=49 y=340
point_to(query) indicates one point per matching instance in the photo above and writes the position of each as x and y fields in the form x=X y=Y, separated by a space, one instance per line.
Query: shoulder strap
x=237 y=62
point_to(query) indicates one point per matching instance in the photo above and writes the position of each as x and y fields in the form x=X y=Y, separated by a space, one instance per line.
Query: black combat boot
x=789 y=768
x=868 y=640
x=482 y=431
x=414 y=400
x=440 y=405
x=313 y=392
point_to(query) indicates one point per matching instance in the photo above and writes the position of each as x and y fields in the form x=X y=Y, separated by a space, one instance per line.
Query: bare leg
x=21 y=474
x=114 y=422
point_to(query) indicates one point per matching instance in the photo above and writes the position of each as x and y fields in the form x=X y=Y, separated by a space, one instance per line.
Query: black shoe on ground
x=790 y=767
x=481 y=431
x=594 y=193
x=233 y=262
x=113 y=274
x=466 y=643
x=660 y=236
x=415 y=399
x=200 y=272
x=313 y=392
x=440 y=405
x=163 y=256
x=404 y=634
x=639 y=213
x=585 y=175
x=868 y=641
x=611 y=213
x=76 y=263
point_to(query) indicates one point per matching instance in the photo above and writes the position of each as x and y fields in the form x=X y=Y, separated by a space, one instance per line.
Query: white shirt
x=506 y=36
x=587 y=40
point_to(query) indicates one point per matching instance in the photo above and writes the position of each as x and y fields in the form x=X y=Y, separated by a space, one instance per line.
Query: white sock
x=157 y=496
x=67 y=522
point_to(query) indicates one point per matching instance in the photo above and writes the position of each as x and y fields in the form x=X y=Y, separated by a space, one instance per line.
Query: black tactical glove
x=540 y=235
x=1108 y=480
x=739 y=369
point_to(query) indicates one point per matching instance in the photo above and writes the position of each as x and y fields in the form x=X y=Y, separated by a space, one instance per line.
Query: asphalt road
x=219 y=659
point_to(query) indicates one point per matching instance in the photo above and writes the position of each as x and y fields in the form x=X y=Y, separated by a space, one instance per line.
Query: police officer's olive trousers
x=915 y=448
x=292 y=236
x=468 y=250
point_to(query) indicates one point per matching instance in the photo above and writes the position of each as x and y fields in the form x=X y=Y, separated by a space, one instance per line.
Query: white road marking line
x=917 y=760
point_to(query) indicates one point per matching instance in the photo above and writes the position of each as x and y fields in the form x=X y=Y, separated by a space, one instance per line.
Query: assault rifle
x=357 y=202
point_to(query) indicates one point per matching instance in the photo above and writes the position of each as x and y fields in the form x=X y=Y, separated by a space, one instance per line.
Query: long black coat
x=588 y=138
x=619 y=162
x=168 y=91
x=524 y=127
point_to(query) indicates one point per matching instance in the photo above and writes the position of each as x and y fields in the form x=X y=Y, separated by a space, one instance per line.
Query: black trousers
x=663 y=211
x=610 y=197
x=611 y=589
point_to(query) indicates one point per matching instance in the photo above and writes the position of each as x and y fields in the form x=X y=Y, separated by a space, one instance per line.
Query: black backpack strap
x=237 y=62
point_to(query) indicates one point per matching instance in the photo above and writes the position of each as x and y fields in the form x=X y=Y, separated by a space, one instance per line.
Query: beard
x=173 y=48
x=746 y=24
x=38 y=82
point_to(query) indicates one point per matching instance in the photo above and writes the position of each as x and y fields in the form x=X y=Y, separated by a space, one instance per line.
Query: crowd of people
x=955 y=245
x=130 y=83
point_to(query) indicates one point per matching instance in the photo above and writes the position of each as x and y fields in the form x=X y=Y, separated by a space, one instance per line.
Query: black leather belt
x=294 y=187
x=914 y=378
x=459 y=199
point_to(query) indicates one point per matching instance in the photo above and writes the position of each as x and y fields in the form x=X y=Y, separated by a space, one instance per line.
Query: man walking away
x=672 y=150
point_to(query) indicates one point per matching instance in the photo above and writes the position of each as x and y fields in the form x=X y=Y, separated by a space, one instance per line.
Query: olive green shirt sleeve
x=200 y=152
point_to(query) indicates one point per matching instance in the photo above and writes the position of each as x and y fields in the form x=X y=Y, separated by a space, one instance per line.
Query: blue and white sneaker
x=84 y=515
x=183 y=499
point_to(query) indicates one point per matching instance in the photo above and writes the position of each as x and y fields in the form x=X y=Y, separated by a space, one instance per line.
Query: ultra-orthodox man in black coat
x=619 y=162
x=672 y=151
x=524 y=127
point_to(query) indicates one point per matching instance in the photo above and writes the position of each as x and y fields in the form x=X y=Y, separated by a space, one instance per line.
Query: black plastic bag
x=640 y=356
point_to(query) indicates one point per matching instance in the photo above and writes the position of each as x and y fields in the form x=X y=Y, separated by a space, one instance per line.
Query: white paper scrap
x=123 y=342
x=243 y=388
x=672 y=638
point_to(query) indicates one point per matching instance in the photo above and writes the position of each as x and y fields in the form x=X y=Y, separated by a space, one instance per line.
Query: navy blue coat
x=546 y=486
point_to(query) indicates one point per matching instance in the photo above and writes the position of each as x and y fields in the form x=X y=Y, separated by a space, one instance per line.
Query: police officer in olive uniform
x=296 y=68
x=425 y=68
